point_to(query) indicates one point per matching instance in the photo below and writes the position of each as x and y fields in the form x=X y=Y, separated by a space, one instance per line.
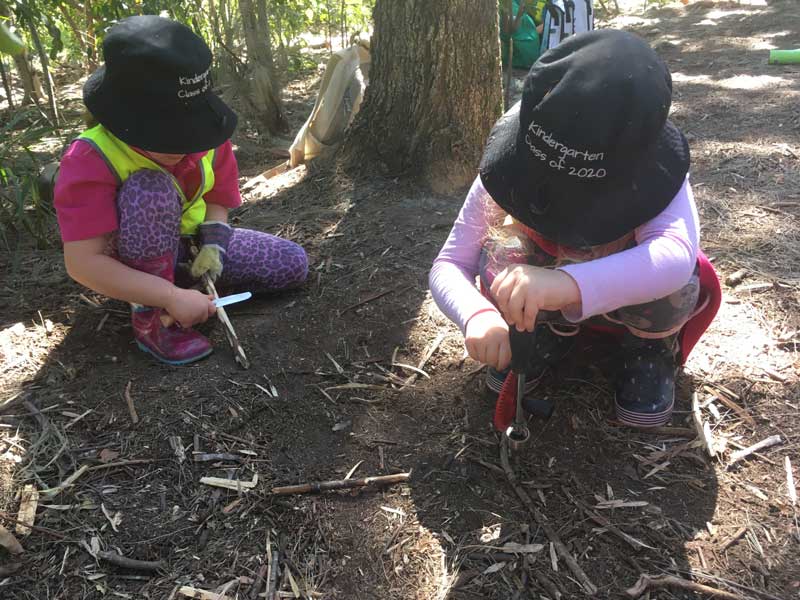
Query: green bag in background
x=526 y=42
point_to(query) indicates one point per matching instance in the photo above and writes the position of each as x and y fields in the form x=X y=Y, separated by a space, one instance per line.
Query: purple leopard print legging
x=149 y=223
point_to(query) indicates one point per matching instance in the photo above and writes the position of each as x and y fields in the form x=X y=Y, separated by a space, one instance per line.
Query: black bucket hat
x=588 y=154
x=154 y=91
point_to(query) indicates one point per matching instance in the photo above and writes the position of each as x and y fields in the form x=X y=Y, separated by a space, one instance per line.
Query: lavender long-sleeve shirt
x=662 y=261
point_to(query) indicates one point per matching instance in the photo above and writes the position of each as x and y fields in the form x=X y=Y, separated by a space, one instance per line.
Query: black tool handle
x=522 y=348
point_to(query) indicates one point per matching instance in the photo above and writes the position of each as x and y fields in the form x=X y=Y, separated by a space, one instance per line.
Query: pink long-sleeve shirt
x=662 y=261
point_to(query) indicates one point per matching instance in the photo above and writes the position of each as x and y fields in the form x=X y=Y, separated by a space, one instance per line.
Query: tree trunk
x=26 y=77
x=434 y=91
x=263 y=95
x=24 y=69
x=48 y=80
x=6 y=84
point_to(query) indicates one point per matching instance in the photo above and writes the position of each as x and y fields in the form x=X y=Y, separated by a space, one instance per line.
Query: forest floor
x=330 y=394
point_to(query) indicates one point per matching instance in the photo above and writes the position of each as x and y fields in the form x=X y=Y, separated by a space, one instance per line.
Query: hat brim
x=581 y=214
x=205 y=123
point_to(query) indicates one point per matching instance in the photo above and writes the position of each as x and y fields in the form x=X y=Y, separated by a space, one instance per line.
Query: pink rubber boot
x=172 y=345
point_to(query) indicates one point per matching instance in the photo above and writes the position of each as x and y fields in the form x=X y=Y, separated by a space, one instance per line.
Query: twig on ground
x=791 y=490
x=543 y=581
x=130 y=563
x=733 y=539
x=341 y=484
x=27 y=509
x=121 y=463
x=648 y=582
x=766 y=443
x=129 y=402
x=374 y=297
x=230 y=484
x=45 y=530
x=728 y=401
x=572 y=564
x=66 y=483
x=702 y=427
x=198 y=594
x=425 y=358
x=272 y=579
x=605 y=523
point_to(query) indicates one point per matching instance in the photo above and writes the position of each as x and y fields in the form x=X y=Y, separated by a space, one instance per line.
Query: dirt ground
x=331 y=393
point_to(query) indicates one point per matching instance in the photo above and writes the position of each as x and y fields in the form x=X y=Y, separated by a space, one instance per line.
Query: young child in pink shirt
x=157 y=171
x=583 y=216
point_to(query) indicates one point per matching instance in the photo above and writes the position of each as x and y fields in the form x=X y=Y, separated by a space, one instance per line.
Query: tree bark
x=263 y=93
x=23 y=66
x=6 y=84
x=434 y=91
x=48 y=80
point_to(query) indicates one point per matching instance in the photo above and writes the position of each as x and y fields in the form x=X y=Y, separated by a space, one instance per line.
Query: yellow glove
x=208 y=260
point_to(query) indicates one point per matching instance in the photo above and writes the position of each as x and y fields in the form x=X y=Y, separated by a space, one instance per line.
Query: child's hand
x=486 y=339
x=521 y=291
x=189 y=307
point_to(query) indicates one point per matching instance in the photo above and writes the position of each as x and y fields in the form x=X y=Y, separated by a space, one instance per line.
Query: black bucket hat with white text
x=588 y=154
x=154 y=90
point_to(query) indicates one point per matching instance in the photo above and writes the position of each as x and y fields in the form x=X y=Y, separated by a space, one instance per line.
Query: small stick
x=272 y=580
x=373 y=297
x=733 y=539
x=230 y=332
x=340 y=484
x=647 y=582
x=27 y=509
x=66 y=483
x=427 y=356
x=130 y=563
x=766 y=443
x=723 y=397
x=548 y=585
x=766 y=459
x=222 y=315
x=45 y=530
x=702 y=428
x=576 y=570
x=603 y=522
x=230 y=484
x=791 y=490
x=259 y=582
x=208 y=457
x=198 y=594
x=121 y=463
x=129 y=401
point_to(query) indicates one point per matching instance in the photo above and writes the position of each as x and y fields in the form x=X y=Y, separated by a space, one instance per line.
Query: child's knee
x=148 y=191
x=295 y=261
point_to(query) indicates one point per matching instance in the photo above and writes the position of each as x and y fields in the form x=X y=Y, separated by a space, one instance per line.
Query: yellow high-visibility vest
x=124 y=160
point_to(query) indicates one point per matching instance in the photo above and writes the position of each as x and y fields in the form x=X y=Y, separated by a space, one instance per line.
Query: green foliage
x=22 y=212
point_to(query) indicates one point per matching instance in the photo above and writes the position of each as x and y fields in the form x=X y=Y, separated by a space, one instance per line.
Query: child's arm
x=452 y=282
x=662 y=262
x=88 y=265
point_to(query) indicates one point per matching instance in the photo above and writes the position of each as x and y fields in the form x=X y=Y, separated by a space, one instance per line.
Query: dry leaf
x=107 y=455
x=515 y=548
x=494 y=568
x=9 y=542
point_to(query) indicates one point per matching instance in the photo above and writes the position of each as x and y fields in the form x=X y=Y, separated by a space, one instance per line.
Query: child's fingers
x=504 y=356
x=474 y=349
x=500 y=288
x=530 y=312
x=515 y=307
